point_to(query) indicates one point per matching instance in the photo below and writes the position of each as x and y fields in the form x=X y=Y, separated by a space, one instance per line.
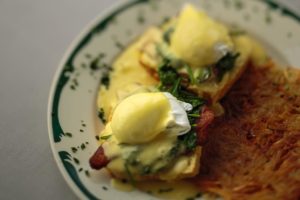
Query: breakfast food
x=210 y=54
x=147 y=137
x=164 y=93
x=150 y=60
x=252 y=152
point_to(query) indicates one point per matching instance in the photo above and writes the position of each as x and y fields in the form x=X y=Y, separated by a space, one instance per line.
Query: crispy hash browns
x=253 y=152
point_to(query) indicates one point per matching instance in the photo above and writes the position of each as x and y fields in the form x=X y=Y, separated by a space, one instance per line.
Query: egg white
x=179 y=123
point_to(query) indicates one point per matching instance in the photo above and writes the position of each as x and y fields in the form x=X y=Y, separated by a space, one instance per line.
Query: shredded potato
x=253 y=151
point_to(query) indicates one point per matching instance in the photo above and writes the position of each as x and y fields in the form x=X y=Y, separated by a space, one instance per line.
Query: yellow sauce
x=141 y=117
x=148 y=153
x=128 y=77
x=195 y=47
x=121 y=185
x=196 y=36
x=178 y=190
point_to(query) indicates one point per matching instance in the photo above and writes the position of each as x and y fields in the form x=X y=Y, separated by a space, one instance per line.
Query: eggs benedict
x=204 y=50
x=164 y=92
x=148 y=137
x=198 y=39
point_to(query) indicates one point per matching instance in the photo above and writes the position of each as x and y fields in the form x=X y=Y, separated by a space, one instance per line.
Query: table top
x=34 y=35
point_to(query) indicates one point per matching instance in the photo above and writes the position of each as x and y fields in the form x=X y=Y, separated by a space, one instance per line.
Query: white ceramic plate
x=72 y=114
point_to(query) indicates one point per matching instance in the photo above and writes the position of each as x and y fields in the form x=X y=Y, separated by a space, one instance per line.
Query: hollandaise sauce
x=151 y=129
x=141 y=138
x=176 y=190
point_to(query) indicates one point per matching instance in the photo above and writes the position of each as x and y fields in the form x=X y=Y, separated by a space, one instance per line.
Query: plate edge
x=75 y=42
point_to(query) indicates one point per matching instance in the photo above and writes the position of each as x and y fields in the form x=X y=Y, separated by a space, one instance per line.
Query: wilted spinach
x=225 y=64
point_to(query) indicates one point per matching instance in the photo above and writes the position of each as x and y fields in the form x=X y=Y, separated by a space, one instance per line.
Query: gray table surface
x=34 y=35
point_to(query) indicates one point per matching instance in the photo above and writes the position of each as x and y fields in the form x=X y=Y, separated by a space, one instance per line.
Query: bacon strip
x=99 y=160
x=204 y=121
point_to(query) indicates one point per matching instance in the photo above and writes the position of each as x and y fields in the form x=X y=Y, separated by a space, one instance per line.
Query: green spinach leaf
x=225 y=64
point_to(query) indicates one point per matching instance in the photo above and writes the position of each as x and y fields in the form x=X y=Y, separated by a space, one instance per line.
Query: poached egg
x=199 y=40
x=142 y=117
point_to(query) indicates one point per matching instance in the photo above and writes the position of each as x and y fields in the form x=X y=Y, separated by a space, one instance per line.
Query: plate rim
x=107 y=12
x=115 y=8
